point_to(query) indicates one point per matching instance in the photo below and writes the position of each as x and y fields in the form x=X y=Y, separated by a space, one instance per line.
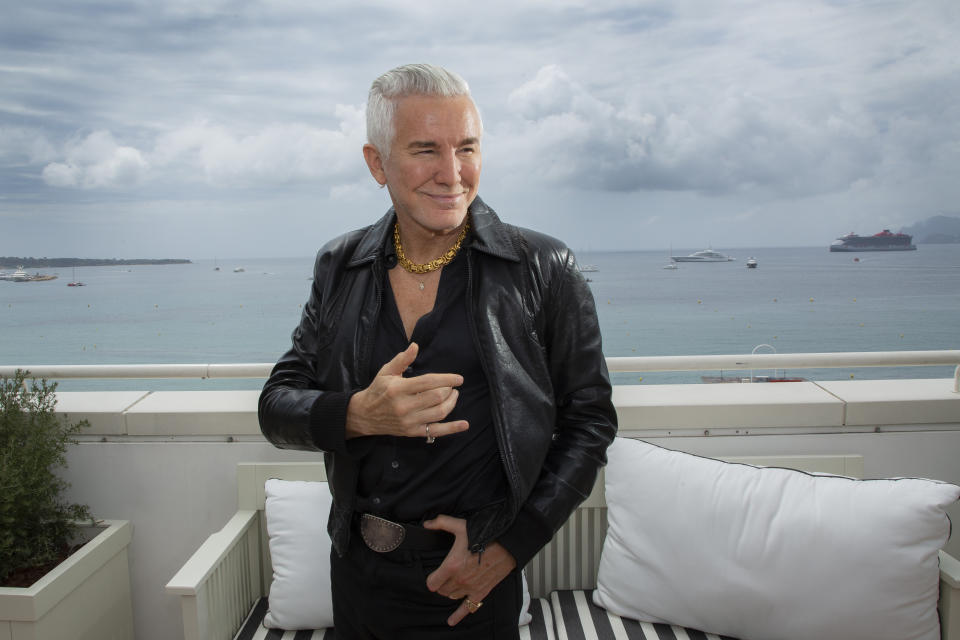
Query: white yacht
x=707 y=255
x=17 y=276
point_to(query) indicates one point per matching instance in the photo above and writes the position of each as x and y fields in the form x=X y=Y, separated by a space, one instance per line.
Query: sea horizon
x=799 y=299
x=677 y=250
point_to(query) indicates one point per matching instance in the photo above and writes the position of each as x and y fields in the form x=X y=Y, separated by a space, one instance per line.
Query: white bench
x=231 y=571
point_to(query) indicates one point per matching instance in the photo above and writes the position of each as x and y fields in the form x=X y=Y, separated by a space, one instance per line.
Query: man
x=450 y=368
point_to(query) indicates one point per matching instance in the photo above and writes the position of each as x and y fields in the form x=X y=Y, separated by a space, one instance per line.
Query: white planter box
x=87 y=597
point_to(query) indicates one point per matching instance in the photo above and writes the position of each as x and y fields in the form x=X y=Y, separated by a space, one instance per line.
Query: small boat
x=75 y=282
x=588 y=268
x=238 y=269
x=672 y=266
x=751 y=263
x=707 y=255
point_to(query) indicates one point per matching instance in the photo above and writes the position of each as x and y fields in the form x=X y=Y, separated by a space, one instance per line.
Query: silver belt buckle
x=380 y=535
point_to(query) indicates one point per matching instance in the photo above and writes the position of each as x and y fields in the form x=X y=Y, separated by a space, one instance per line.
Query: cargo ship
x=883 y=241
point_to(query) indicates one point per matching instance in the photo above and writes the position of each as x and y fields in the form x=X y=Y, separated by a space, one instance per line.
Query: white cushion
x=525 y=615
x=300 y=553
x=300 y=597
x=770 y=553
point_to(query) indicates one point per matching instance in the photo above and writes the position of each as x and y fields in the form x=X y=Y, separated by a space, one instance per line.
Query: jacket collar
x=488 y=234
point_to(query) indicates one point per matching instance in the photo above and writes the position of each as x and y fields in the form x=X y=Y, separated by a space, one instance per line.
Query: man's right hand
x=397 y=406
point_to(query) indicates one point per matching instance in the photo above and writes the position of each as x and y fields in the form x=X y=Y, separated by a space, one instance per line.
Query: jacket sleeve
x=586 y=420
x=295 y=412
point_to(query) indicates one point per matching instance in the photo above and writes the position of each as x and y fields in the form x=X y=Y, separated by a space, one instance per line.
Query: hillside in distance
x=935 y=230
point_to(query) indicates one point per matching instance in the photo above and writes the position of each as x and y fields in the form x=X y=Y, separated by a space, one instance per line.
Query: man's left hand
x=463 y=575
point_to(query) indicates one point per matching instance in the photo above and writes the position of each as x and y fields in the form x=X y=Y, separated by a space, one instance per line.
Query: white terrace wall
x=166 y=460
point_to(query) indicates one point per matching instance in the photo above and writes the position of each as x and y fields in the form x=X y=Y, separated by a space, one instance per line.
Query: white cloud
x=58 y=174
x=278 y=153
x=23 y=146
x=95 y=162
x=726 y=142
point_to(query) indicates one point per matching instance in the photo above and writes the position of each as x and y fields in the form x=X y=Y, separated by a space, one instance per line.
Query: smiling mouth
x=445 y=198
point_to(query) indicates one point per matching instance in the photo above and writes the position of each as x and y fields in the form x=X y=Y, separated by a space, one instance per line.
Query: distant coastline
x=35 y=263
x=936 y=230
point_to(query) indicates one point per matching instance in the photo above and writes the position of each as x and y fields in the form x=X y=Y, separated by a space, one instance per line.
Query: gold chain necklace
x=433 y=265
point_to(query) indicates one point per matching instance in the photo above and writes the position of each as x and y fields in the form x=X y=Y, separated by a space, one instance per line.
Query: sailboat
x=671 y=265
x=74 y=282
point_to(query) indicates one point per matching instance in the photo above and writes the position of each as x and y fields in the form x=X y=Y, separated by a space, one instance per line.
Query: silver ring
x=430 y=439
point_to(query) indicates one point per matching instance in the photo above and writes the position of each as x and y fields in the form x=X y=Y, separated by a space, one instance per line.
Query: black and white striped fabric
x=253 y=628
x=577 y=618
x=540 y=628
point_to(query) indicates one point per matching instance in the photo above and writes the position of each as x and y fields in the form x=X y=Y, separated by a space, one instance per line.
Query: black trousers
x=384 y=596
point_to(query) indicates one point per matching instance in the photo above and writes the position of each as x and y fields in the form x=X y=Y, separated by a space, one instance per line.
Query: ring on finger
x=472 y=606
x=430 y=438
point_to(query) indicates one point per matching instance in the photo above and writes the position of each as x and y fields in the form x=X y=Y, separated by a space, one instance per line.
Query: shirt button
x=376 y=501
x=395 y=464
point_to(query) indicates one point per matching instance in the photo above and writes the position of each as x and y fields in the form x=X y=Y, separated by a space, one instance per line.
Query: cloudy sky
x=233 y=128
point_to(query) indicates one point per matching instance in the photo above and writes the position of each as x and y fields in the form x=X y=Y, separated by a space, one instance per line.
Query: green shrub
x=35 y=522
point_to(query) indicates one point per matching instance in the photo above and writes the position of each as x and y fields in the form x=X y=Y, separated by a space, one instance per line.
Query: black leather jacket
x=535 y=326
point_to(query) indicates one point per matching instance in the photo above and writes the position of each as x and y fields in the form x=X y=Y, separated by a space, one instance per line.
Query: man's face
x=433 y=171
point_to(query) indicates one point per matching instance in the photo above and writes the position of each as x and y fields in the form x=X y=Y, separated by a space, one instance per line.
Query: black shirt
x=405 y=479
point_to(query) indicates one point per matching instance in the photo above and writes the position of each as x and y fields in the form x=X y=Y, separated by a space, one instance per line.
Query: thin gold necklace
x=413 y=267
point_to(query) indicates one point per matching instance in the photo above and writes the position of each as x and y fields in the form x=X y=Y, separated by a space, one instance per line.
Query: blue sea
x=797 y=300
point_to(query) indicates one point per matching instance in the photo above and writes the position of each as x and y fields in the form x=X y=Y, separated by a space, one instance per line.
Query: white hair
x=407 y=80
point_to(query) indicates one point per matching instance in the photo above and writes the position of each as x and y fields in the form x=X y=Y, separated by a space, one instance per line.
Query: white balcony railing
x=615 y=364
x=166 y=460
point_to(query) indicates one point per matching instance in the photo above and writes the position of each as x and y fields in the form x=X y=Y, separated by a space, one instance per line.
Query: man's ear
x=375 y=163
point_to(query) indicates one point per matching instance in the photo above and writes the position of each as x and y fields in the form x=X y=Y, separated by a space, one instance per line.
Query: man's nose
x=448 y=169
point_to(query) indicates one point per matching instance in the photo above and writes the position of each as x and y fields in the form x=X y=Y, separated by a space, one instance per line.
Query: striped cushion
x=540 y=628
x=577 y=618
x=253 y=628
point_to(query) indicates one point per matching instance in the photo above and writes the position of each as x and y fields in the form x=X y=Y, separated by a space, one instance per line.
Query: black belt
x=383 y=536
